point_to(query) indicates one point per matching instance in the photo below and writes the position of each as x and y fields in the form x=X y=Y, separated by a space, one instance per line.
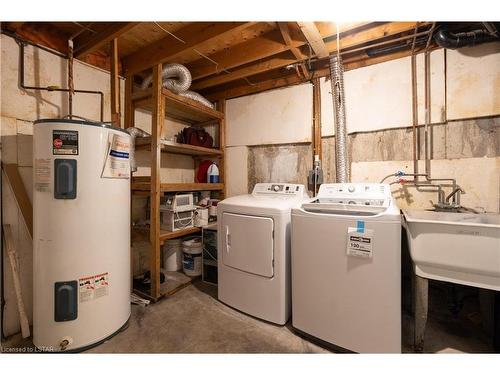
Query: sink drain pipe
x=337 y=80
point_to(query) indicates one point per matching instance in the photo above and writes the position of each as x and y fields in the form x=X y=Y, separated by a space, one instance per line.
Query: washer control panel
x=355 y=194
x=281 y=189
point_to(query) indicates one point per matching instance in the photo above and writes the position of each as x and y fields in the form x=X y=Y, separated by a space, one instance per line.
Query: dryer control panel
x=281 y=189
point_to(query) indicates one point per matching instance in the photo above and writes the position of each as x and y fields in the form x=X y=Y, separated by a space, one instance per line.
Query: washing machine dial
x=351 y=189
x=276 y=188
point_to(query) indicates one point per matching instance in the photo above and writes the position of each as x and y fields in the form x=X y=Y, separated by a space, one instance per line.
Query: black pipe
x=22 y=44
x=372 y=52
x=447 y=39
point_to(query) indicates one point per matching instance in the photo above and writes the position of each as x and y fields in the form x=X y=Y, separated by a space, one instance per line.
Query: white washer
x=254 y=250
x=346 y=268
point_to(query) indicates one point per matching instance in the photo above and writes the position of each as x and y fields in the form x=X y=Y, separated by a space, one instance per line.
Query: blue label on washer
x=360 y=226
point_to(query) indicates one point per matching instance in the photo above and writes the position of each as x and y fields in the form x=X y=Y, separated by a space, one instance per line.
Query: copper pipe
x=71 y=88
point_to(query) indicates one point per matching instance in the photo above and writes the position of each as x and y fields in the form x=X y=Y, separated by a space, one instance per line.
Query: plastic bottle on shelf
x=213 y=174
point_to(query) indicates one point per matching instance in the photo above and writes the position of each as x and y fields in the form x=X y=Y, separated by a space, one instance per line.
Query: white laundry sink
x=462 y=248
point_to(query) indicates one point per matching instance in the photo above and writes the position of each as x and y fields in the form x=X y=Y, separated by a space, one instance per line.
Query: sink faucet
x=455 y=194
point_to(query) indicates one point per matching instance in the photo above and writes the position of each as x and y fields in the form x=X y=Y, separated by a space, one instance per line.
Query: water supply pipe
x=22 y=43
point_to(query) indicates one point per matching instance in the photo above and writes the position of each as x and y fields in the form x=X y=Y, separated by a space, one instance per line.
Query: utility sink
x=462 y=248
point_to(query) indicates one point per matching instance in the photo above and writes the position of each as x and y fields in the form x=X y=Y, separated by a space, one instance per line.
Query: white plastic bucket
x=191 y=256
x=172 y=255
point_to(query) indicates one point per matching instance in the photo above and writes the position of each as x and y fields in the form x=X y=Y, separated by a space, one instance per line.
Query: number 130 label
x=359 y=244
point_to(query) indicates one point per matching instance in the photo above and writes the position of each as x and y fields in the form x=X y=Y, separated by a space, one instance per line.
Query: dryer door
x=248 y=243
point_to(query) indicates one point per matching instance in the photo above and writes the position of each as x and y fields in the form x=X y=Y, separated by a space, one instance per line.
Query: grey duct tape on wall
x=337 y=80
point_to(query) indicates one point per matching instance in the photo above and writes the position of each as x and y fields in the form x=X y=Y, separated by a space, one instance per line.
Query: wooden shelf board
x=143 y=184
x=177 y=148
x=178 y=107
x=165 y=235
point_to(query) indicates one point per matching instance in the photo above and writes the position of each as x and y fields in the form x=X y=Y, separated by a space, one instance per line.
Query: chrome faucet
x=455 y=194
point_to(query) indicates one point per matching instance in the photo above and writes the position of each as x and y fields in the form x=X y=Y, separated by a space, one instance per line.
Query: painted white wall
x=276 y=116
x=236 y=165
x=383 y=91
x=473 y=84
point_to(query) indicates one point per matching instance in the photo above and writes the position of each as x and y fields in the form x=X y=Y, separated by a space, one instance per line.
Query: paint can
x=172 y=255
x=191 y=256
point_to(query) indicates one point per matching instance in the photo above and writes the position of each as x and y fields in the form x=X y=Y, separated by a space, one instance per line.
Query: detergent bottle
x=213 y=174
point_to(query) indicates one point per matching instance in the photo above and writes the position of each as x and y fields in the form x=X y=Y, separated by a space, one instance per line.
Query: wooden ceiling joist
x=293 y=79
x=243 y=53
x=168 y=48
x=89 y=42
x=372 y=34
x=285 y=33
x=314 y=38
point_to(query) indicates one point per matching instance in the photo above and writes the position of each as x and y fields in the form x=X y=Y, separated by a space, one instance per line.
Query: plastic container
x=191 y=256
x=172 y=255
x=213 y=174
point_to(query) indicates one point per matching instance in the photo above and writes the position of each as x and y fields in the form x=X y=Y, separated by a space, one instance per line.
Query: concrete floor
x=194 y=321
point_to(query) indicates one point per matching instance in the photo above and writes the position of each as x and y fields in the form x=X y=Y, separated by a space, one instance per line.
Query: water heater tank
x=81 y=238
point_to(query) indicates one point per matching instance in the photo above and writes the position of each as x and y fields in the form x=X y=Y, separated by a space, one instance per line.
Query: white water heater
x=81 y=238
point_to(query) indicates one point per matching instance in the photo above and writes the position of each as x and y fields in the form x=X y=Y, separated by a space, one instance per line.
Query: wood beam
x=277 y=61
x=255 y=49
x=221 y=106
x=314 y=38
x=22 y=198
x=87 y=43
x=371 y=34
x=169 y=48
x=285 y=33
x=259 y=48
x=317 y=119
x=292 y=79
x=129 y=115
x=115 y=84
x=157 y=126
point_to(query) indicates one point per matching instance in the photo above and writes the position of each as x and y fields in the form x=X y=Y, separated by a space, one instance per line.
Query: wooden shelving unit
x=165 y=104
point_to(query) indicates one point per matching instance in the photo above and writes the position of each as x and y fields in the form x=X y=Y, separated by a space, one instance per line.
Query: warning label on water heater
x=117 y=164
x=93 y=287
x=64 y=142
x=360 y=242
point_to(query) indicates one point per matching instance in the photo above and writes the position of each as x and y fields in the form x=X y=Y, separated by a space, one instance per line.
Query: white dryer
x=346 y=268
x=254 y=250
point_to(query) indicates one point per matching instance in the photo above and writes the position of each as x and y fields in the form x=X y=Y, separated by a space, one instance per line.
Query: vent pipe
x=337 y=80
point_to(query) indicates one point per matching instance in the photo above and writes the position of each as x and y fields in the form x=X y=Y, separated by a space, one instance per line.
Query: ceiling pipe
x=447 y=39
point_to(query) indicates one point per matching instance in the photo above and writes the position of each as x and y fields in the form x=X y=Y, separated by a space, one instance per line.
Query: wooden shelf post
x=317 y=119
x=157 y=125
x=222 y=146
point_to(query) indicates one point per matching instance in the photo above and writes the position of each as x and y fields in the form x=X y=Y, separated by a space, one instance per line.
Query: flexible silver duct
x=199 y=98
x=176 y=78
x=337 y=79
x=134 y=133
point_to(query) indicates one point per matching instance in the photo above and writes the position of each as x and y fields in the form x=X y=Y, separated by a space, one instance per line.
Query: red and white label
x=58 y=143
